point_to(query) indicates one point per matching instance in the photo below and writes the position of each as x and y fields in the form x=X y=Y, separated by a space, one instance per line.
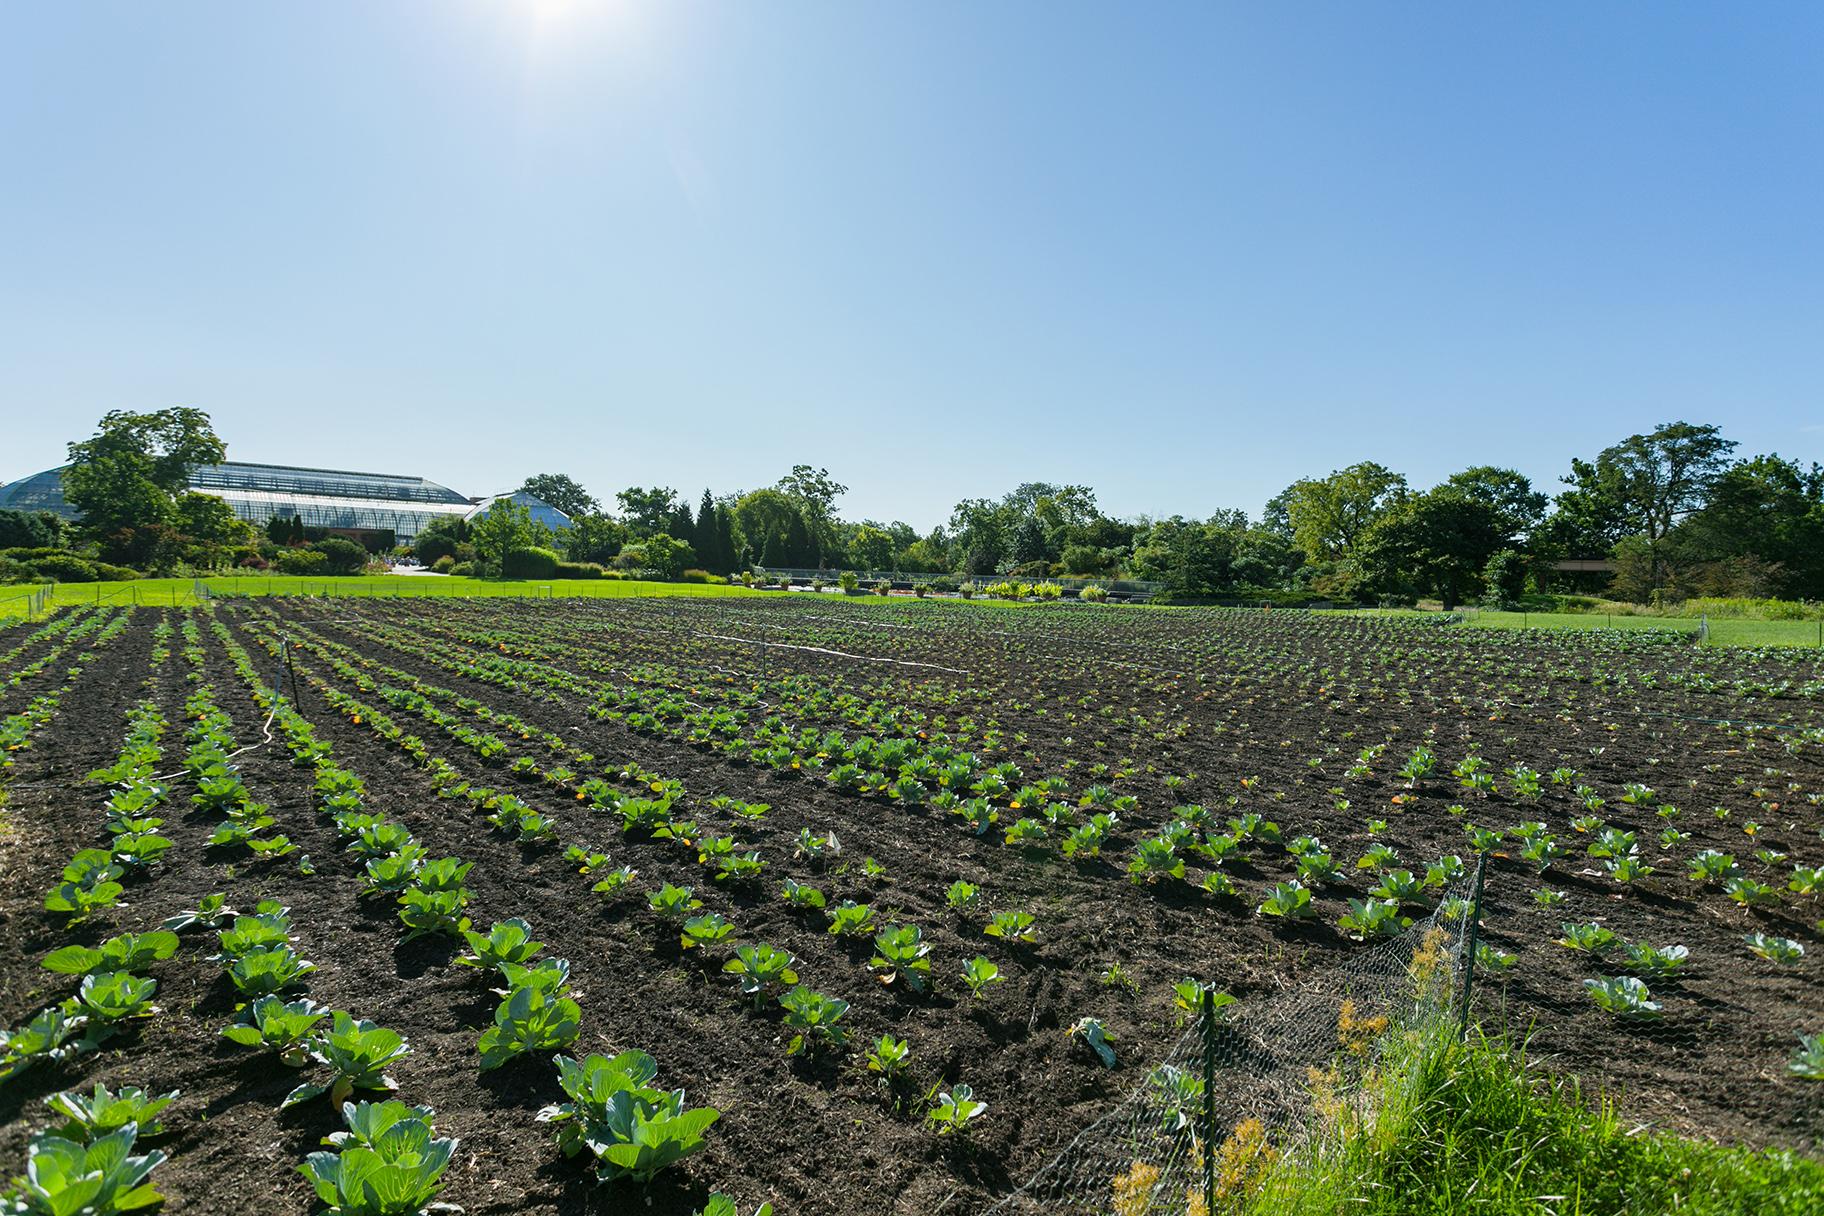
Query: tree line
x=1668 y=514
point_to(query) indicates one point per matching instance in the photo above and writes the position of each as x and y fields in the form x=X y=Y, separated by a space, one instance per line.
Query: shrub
x=434 y=546
x=463 y=569
x=444 y=564
x=529 y=562
x=302 y=561
x=579 y=570
x=1095 y=593
x=696 y=576
x=64 y=568
x=341 y=555
x=30 y=529
x=850 y=582
x=945 y=583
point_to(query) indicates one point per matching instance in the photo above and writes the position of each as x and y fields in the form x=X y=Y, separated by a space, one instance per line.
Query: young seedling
x=954 y=1110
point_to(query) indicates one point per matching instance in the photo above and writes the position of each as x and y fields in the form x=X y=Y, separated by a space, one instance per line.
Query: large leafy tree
x=765 y=520
x=815 y=492
x=646 y=511
x=1766 y=512
x=210 y=524
x=564 y=493
x=1510 y=493
x=978 y=535
x=1436 y=543
x=1641 y=487
x=1662 y=477
x=1189 y=557
x=505 y=526
x=872 y=547
x=1328 y=515
x=665 y=555
x=593 y=538
x=124 y=480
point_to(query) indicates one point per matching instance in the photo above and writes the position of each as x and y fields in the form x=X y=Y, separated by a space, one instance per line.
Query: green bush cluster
x=529 y=562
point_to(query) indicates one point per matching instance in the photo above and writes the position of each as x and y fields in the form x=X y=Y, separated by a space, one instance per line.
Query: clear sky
x=1182 y=253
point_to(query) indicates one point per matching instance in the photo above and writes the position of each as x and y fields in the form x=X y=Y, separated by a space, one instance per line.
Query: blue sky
x=1182 y=253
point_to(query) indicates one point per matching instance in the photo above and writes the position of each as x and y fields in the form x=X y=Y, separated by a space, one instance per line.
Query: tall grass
x=1443 y=1128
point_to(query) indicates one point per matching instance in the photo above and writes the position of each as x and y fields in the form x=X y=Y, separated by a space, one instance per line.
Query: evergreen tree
x=800 y=552
x=708 y=537
x=679 y=526
x=725 y=542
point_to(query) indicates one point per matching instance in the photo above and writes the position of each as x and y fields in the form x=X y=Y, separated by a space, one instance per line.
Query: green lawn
x=176 y=591
x=1722 y=632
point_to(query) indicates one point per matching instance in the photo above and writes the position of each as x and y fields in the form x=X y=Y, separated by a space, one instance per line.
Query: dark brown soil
x=822 y=1137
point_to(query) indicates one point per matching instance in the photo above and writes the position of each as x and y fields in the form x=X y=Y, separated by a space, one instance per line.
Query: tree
x=1642 y=486
x=1587 y=518
x=1439 y=542
x=927 y=555
x=342 y=556
x=729 y=557
x=593 y=538
x=1504 y=579
x=127 y=475
x=1265 y=557
x=30 y=530
x=1189 y=557
x=871 y=548
x=815 y=492
x=679 y=524
x=507 y=525
x=1662 y=477
x=978 y=534
x=801 y=549
x=1329 y=515
x=289 y=530
x=1510 y=493
x=562 y=492
x=209 y=520
x=667 y=556
x=763 y=519
x=714 y=549
x=645 y=511
x=1770 y=510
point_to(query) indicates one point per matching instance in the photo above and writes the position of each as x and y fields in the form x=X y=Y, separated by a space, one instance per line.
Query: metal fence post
x=1469 y=954
x=1209 y=1097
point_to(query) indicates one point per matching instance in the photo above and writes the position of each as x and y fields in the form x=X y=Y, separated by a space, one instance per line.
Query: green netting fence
x=1242 y=1084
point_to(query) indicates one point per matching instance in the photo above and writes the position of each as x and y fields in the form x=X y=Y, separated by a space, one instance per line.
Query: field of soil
x=1239 y=712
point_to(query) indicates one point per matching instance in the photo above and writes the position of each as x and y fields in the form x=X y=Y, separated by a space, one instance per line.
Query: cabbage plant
x=90 y=1116
x=67 y=1178
x=388 y=1163
x=631 y=1129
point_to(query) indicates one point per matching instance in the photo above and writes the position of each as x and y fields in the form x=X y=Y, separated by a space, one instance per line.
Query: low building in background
x=363 y=506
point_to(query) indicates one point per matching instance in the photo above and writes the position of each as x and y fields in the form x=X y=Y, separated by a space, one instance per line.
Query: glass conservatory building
x=351 y=503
